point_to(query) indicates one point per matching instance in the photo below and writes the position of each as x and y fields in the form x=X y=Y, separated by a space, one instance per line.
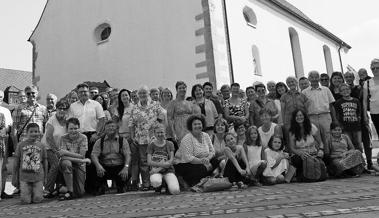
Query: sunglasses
x=30 y=93
x=374 y=68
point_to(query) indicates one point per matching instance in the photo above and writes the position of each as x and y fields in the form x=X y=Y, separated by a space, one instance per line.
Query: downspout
x=228 y=42
x=339 y=55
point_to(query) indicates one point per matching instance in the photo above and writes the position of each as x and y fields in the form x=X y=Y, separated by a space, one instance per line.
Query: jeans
x=139 y=164
x=52 y=173
x=111 y=173
x=74 y=177
x=356 y=139
x=31 y=192
x=169 y=178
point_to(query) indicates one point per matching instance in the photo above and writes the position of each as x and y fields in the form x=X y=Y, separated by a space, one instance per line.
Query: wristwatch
x=127 y=165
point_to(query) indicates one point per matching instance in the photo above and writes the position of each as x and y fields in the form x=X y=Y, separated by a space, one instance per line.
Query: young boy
x=31 y=165
x=348 y=111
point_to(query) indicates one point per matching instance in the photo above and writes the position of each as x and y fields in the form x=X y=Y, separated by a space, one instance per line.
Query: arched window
x=102 y=33
x=250 y=17
x=328 y=59
x=257 y=70
x=296 y=52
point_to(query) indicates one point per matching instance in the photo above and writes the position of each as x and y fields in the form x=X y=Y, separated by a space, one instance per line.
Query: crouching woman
x=344 y=159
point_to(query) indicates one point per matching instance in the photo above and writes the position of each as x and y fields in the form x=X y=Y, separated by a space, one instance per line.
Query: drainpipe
x=228 y=42
x=339 y=55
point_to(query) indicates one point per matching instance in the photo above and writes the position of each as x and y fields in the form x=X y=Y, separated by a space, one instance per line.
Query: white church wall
x=149 y=39
x=271 y=36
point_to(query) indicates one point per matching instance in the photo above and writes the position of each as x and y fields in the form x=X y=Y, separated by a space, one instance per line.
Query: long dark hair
x=249 y=141
x=104 y=104
x=295 y=127
x=120 y=106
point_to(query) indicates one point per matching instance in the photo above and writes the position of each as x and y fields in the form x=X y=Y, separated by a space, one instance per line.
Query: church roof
x=291 y=9
x=17 y=78
x=282 y=4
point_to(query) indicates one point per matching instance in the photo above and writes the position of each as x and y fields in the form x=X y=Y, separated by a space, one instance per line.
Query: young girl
x=160 y=155
x=237 y=167
x=277 y=161
x=344 y=158
x=255 y=154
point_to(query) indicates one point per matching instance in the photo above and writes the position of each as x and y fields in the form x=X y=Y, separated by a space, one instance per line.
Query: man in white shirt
x=8 y=125
x=320 y=109
x=92 y=119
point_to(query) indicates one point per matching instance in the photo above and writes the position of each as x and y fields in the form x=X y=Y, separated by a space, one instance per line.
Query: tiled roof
x=286 y=6
x=17 y=78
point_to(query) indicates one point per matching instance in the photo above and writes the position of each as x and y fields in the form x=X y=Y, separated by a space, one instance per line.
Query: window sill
x=251 y=25
x=102 y=41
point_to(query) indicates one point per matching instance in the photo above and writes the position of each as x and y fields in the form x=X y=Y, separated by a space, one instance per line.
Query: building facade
x=158 y=42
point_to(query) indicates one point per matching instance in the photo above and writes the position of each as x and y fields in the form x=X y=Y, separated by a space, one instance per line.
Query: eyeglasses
x=62 y=109
x=374 y=68
x=30 y=93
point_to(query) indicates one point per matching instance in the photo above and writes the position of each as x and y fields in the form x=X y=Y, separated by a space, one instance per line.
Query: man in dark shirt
x=208 y=94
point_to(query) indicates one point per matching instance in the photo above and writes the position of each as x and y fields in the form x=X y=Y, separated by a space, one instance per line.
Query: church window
x=256 y=61
x=102 y=33
x=296 y=52
x=328 y=59
x=250 y=17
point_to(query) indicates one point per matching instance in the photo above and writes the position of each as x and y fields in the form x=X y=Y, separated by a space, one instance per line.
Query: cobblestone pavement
x=355 y=197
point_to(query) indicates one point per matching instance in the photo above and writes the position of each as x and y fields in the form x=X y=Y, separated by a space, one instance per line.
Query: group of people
x=302 y=130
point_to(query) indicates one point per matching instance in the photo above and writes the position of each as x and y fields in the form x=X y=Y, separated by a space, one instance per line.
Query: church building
x=130 y=43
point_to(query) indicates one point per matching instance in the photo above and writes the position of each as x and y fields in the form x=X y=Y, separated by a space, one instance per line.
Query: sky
x=355 y=22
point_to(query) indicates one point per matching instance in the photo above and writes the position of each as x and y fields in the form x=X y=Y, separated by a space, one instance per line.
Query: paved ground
x=356 y=197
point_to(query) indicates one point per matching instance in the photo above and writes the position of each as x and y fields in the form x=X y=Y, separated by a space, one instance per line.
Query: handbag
x=19 y=133
x=314 y=169
x=210 y=184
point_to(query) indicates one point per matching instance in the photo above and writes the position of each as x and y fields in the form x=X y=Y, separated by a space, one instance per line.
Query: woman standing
x=104 y=105
x=121 y=114
x=178 y=112
x=207 y=108
x=280 y=89
x=335 y=81
x=236 y=109
x=55 y=129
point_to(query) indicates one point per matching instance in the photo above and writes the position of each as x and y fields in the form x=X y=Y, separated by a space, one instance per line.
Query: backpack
x=314 y=169
x=120 y=143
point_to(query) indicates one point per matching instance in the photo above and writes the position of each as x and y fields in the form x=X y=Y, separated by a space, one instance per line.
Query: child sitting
x=344 y=159
x=277 y=161
x=160 y=155
x=237 y=167
x=31 y=166
x=255 y=154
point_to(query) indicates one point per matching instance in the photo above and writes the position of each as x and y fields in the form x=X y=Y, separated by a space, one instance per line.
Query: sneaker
x=6 y=196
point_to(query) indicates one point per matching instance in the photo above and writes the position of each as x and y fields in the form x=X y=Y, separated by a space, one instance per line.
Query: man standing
x=355 y=89
x=51 y=100
x=324 y=79
x=8 y=124
x=320 y=107
x=208 y=94
x=93 y=91
x=29 y=112
x=303 y=83
x=111 y=157
x=225 y=91
x=271 y=87
x=92 y=118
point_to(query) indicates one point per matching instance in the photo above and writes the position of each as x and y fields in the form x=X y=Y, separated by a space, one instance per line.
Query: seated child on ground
x=277 y=161
x=237 y=167
x=255 y=154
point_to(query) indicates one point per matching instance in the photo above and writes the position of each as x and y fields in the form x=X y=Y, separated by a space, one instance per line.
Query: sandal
x=50 y=194
x=66 y=196
x=241 y=185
